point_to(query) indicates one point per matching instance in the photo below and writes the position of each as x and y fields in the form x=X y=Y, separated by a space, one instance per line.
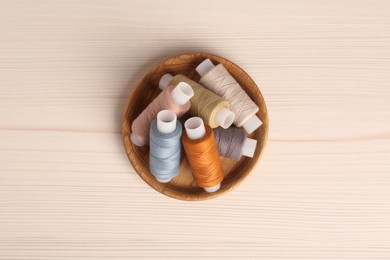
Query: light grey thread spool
x=165 y=150
x=233 y=143
x=218 y=80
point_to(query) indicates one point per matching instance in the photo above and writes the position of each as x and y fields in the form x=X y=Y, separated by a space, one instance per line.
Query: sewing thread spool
x=165 y=146
x=213 y=109
x=202 y=154
x=218 y=80
x=234 y=143
x=175 y=98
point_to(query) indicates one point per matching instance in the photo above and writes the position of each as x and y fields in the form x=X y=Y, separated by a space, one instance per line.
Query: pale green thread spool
x=205 y=103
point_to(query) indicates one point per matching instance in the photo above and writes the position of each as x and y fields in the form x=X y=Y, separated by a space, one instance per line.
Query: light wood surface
x=183 y=186
x=68 y=191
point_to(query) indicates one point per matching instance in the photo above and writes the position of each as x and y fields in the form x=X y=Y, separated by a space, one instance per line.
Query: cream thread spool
x=213 y=109
x=210 y=74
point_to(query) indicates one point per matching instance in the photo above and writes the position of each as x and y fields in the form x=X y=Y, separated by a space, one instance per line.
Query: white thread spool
x=166 y=124
x=253 y=122
x=181 y=94
x=195 y=130
x=223 y=118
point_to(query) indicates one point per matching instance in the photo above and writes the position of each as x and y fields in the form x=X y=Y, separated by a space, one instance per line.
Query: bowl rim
x=162 y=188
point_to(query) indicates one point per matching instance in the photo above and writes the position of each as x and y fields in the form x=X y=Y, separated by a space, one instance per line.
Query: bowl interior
x=183 y=186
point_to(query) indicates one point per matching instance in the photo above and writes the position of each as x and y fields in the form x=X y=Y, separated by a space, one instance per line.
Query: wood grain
x=321 y=190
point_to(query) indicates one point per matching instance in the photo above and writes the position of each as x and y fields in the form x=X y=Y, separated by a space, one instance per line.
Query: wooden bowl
x=183 y=186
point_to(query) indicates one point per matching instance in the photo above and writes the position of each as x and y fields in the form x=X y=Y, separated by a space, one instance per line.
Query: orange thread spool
x=204 y=159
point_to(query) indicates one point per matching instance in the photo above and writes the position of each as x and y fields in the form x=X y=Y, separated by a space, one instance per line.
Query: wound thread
x=141 y=125
x=204 y=160
x=230 y=141
x=165 y=150
x=205 y=103
x=222 y=83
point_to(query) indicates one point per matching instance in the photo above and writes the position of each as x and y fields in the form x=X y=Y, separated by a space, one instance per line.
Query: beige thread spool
x=213 y=109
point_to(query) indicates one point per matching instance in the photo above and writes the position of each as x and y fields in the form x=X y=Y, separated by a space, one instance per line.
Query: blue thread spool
x=165 y=146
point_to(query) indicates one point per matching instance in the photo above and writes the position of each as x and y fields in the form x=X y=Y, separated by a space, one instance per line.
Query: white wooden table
x=68 y=191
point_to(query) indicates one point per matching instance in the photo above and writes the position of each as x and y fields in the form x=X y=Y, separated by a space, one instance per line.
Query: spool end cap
x=195 y=128
x=249 y=147
x=213 y=189
x=224 y=118
x=252 y=124
x=166 y=121
x=164 y=81
x=164 y=181
x=204 y=67
x=135 y=140
x=182 y=93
